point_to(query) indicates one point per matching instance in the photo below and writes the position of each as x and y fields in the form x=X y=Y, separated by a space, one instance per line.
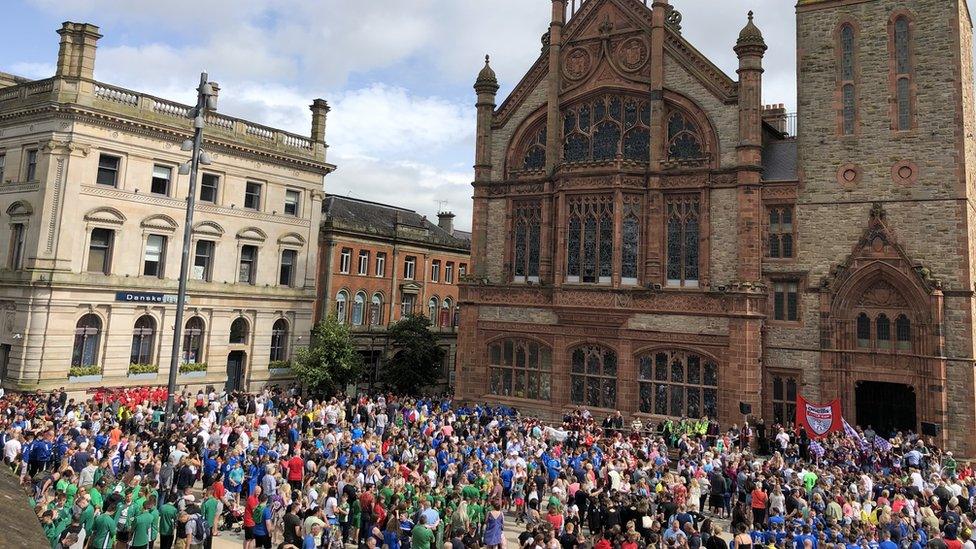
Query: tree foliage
x=330 y=362
x=417 y=361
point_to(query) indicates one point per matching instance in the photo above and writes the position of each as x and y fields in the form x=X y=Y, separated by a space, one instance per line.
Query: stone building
x=380 y=263
x=93 y=209
x=649 y=237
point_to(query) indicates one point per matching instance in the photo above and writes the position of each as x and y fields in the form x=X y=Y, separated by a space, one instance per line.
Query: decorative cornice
x=105 y=214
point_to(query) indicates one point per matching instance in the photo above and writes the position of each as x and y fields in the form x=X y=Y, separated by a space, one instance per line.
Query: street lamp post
x=206 y=101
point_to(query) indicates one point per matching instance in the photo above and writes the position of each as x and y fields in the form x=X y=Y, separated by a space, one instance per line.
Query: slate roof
x=779 y=160
x=384 y=220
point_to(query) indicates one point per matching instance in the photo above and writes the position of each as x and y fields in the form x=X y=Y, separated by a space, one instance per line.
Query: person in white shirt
x=12 y=448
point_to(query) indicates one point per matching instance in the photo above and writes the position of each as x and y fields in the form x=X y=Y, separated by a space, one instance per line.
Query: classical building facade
x=93 y=210
x=649 y=237
x=380 y=263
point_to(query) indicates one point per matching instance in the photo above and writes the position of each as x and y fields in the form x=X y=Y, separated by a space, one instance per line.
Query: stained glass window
x=684 y=138
x=902 y=59
x=847 y=74
x=601 y=128
x=683 y=241
x=593 y=381
x=863 y=330
x=630 y=247
x=849 y=106
x=847 y=52
x=882 y=328
x=904 y=104
x=535 y=151
x=678 y=386
x=590 y=241
x=525 y=240
x=525 y=371
x=903 y=332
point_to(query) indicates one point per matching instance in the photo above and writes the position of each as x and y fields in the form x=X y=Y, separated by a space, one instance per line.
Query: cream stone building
x=93 y=207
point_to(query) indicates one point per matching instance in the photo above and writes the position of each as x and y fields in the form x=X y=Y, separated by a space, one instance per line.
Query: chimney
x=775 y=116
x=320 y=112
x=445 y=220
x=76 y=56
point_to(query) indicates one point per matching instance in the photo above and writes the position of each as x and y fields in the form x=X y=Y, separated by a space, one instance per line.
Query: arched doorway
x=236 y=364
x=887 y=407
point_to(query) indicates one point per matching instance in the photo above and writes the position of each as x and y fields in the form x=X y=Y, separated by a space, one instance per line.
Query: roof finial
x=750 y=15
x=487 y=58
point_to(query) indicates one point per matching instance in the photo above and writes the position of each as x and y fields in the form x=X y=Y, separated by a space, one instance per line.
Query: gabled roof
x=387 y=221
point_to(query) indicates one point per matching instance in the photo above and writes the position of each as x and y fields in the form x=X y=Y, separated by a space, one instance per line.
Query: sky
x=398 y=74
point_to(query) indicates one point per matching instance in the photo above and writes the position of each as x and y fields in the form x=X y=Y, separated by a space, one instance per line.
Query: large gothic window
x=677 y=383
x=683 y=226
x=534 y=155
x=607 y=126
x=590 y=240
x=525 y=241
x=847 y=78
x=903 y=73
x=881 y=321
x=593 y=378
x=520 y=368
x=630 y=244
x=684 y=139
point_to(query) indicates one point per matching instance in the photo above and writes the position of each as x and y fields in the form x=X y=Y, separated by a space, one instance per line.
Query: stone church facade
x=649 y=237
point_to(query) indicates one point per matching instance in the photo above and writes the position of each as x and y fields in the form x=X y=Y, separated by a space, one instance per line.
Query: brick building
x=649 y=237
x=380 y=263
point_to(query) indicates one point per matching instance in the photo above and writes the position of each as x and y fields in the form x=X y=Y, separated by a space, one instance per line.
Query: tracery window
x=684 y=139
x=678 y=383
x=520 y=368
x=593 y=378
x=683 y=220
x=534 y=157
x=903 y=73
x=605 y=126
x=873 y=325
x=525 y=241
x=780 y=232
x=590 y=240
x=630 y=244
x=847 y=77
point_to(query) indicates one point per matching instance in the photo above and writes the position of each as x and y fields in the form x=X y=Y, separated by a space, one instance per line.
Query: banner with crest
x=819 y=420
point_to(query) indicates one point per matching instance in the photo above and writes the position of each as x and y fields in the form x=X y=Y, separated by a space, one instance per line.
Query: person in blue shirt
x=262 y=523
x=40 y=455
x=310 y=538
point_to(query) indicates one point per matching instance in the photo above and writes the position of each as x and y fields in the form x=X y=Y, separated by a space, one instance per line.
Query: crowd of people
x=292 y=470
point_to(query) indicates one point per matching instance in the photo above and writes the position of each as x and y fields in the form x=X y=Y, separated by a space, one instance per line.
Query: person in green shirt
x=142 y=526
x=95 y=497
x=209 y=510
x=167 y=524
x=54 y=525
x=421 y=537
x=103 y=529
x=152 y=502
x=87 y=517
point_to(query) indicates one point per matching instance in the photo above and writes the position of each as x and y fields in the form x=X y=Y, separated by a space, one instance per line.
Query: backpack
x=258 y=514
x=201 y=530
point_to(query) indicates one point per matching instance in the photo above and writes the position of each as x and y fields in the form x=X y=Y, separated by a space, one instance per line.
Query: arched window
x=143 y=340
x=677 y=383
x=88 y=332
x=447 y=313
x=882 y=330
x=903 y=333
x=432 y=310
x=863 y=330
x=376 y=310
x=526 y=232
x=684 y=139
x=630 y=244
x=279 y=340
x=903 y=73
x=683 y=240
x=590 y=240
x=603 y=127
x=457 y=316
x=340 y=307
x=534 y=150
x=593 y=379
x=359 y=309
x=193 y=341
x=520 y=368
x=239 y=331
x=847 y=77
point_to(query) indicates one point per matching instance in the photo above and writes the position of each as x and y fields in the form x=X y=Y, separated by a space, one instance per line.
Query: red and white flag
x=819 y=420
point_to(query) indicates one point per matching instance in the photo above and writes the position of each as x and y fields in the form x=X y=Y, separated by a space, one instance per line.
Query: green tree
x=331 y=361
x=417 y=362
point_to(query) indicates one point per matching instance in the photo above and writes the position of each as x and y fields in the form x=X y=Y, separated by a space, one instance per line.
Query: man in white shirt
x=12 y=448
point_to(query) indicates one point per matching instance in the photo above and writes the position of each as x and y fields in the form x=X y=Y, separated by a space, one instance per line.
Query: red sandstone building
x=381 y=263
x=648 y=237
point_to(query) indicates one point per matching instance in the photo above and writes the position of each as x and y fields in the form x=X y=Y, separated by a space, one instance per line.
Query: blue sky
x=398 y=73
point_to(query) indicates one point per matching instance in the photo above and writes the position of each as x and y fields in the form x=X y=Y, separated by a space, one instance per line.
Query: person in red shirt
x=296 y=471
x=249 y=505
x=759 y=499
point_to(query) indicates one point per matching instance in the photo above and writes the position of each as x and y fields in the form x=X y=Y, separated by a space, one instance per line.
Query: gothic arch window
x=863 y=330
x=193 y=333
x=143 y=340
x=342 y=298
x=88 y=335
x=683 y=240
x=589 y=250
x=432 y=310
x=239 y=330
x=685 y=143
x=678 y=383
x=533 y=156
x=526 y=234
x=848 y=75
x=882 y=327
x=359 y=309
x=903 y=333
x=630 y=241
x=520 y=368
x=601 y=128
x=279 y=340
x=873 y=325
x=901 y=41
x=593 y=377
